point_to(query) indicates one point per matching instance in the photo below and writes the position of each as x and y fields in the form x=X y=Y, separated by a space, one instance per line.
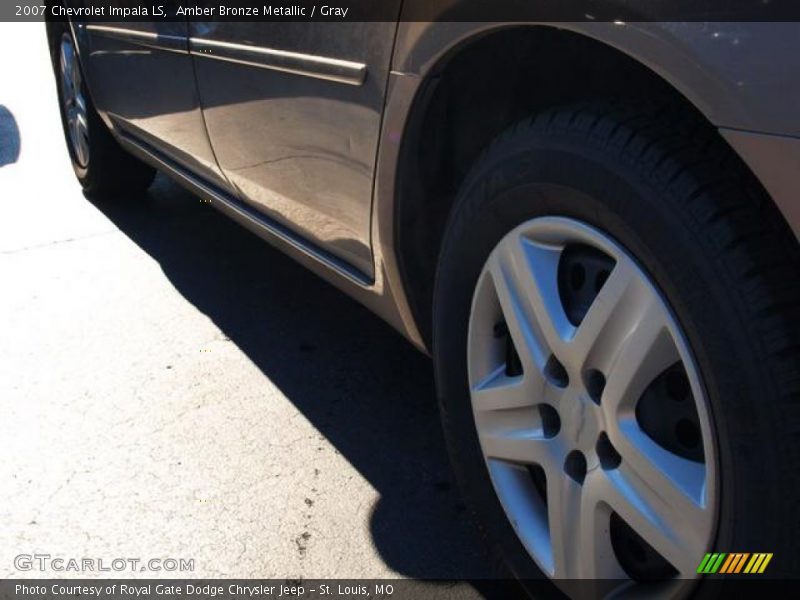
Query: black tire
x=111 y=173
x=662 y=183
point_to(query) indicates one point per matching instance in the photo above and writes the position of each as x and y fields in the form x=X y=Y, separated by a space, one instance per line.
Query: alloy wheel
x=589 y=408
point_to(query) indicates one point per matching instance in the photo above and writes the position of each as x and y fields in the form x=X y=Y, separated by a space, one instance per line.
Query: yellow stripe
x=741 y=562
x=727 y=562
x=750 y=565
x=765 y=563
x=753 y=566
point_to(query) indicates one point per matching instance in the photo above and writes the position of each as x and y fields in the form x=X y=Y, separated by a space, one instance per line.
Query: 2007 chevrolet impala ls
x=592 y=227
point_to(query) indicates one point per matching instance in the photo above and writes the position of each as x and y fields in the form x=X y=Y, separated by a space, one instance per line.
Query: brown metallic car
x=592 y=227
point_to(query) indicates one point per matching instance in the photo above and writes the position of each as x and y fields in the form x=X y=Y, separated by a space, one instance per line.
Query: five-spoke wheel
x=571 y=351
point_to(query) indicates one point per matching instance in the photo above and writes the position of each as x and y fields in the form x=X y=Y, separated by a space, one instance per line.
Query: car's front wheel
x=617 y=350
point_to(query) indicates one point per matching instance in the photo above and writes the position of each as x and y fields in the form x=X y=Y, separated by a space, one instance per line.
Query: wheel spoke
x=66 y=90
x=611 y=317
x=498 y=391
x=671 y=523
x=578 y=525
x=643 y=352
x=72 y=124
x=522 y=445
x=80 y=122
x=532 y=353
x=525 y=277
x=82 y=149
x=80 y=104
x=567 y=524
x=66 y=71
x=680 y=482
x=82 y=141
x=524 y=507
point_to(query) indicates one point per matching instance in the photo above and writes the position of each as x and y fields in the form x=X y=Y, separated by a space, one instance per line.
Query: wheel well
x=474 y=94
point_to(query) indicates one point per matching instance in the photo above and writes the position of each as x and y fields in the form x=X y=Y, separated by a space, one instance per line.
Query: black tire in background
x=110 y=173
x=664 y=185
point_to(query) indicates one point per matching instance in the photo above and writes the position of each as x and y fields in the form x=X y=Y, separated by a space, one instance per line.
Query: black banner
x=364 y=589
x=405 y=10
x=249 y=589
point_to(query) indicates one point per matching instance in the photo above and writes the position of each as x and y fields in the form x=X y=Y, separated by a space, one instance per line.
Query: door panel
x=293 y=112
x=142 y=76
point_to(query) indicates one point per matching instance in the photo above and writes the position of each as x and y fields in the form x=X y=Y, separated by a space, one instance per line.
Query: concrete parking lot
x=171 y=386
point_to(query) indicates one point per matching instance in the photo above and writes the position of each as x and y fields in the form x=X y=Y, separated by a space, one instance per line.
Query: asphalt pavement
x=171 y=386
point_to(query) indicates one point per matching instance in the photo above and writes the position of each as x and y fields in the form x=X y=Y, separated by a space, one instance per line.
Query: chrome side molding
x=308 y=65
x=319 y=67
x=169 y=43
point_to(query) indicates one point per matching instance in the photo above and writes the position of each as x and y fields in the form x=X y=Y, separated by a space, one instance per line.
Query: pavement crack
x=58 y=242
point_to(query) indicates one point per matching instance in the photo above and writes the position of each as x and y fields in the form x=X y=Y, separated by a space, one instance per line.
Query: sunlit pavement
x=170 y=386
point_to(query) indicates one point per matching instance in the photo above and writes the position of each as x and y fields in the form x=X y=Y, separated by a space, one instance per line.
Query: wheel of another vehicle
x=104 y=169
x=617 y=351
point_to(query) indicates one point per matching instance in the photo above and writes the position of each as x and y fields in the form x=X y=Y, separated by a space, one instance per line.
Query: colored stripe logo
x=734 y=563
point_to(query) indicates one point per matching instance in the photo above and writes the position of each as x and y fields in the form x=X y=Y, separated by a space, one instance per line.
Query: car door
x=141 y=76
x=293 y=111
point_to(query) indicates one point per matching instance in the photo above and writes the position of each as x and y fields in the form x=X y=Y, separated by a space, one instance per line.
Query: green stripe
x=702 y=567
x=711 y=562
x=718 y=563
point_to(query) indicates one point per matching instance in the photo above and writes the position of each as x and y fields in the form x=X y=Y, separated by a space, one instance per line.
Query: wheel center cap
x=582 y=422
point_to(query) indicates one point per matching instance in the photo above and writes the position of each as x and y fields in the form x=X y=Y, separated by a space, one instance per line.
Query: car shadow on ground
x=366 y=389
